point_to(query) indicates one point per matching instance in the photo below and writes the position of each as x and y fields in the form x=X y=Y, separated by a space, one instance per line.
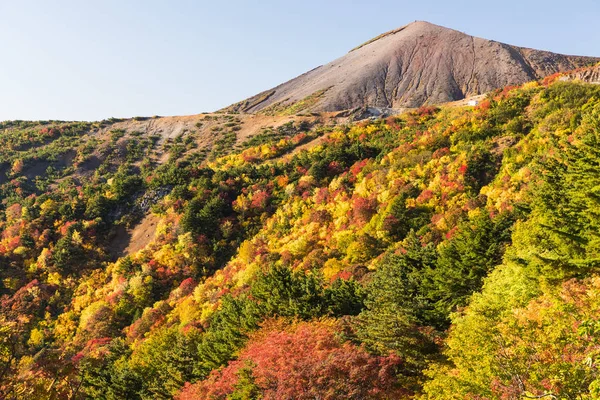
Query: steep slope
x=48 y=155
x=417 y=64
x=589 y=75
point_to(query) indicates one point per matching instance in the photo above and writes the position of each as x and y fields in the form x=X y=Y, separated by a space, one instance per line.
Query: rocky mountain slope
x=589 y=75
x=417 y=64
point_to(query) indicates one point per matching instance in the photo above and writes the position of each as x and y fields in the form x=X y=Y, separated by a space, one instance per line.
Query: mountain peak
x=416 y=64
x=415 y=29
x=425 y=24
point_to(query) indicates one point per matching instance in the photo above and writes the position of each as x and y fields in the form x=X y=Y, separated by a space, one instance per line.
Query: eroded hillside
x=420 y=63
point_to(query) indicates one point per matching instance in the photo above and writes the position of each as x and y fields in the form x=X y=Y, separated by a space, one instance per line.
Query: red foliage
x=306 y=361
x=149 y=319
x=114 y=297
x=304 y=186
x=427 y=111
x=30 y=300
x=436 y=218
x=357 y=167
x=249 y=158
x=334 y=168
x=343 y=275
x=13 y=243
x=451 y=232
x=260 y=200
x=484 y=105
x=550 y=79
x=93 y=345
x=506 y=91
x=322 y=195
x=363 y=209
x=49 y=132
x=299 y=138
x=187 y=286
x=301 y=170
x=394 y=122
x=390 y=223
x=64 y=229
x=424 y=196
x=13 y=212
x=439 y=153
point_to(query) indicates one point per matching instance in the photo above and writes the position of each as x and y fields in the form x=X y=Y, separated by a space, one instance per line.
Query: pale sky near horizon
x=90 y=60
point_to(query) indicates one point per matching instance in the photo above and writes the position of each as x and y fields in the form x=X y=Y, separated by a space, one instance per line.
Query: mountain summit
x=420 y=63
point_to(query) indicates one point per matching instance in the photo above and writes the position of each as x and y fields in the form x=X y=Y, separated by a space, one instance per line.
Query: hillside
x=364 y=231
x=441 y=253
x=417 y=64
x=38 y=156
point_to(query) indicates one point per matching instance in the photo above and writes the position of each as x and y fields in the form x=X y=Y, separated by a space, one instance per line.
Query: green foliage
x=276 y=293
x=68 y=255
x=126 y=182
x=519 y=336
x=110 y=377
x=245 y=387
x=167 y=361
x=281 y=292
x=394 y=306
x=463 y=262
x=229 y=329
x=203 y=217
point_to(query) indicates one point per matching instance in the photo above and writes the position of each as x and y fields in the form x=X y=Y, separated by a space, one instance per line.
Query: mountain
x=420 y=63
x=589 y=75
x=441 y=253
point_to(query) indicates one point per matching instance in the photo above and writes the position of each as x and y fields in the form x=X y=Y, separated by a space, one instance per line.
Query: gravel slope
x=417 y=64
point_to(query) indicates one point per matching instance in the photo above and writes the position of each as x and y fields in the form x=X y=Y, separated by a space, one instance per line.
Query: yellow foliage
x=36 y=338
x=531 y=85
x=76 y=237
x=188 y=311
x=343 y=239
x=184 y=243
x=332 y=267
x=54 y=278
x=48 y=206
x=246 y=252
x=90 y=311
x=19 y=251
x=299 y=247
x=245 y=275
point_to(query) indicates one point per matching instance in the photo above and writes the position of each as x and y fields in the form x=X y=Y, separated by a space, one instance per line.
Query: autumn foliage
x=442 y=253
x=304 y=361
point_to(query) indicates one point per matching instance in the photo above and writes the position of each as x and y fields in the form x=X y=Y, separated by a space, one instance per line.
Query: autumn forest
x=447 y=252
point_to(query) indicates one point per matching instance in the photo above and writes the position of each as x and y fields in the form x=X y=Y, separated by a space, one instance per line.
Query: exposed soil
x=418 y=64
x=129 y=241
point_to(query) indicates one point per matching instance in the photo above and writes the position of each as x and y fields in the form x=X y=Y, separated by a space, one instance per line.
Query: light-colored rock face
x=589 y=75
x=418 y=64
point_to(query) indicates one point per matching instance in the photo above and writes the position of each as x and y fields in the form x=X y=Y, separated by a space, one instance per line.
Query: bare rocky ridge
x=417 y=64
x=589 y=75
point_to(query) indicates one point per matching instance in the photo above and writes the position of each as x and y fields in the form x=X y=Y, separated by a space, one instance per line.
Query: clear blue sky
x=89 y=60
